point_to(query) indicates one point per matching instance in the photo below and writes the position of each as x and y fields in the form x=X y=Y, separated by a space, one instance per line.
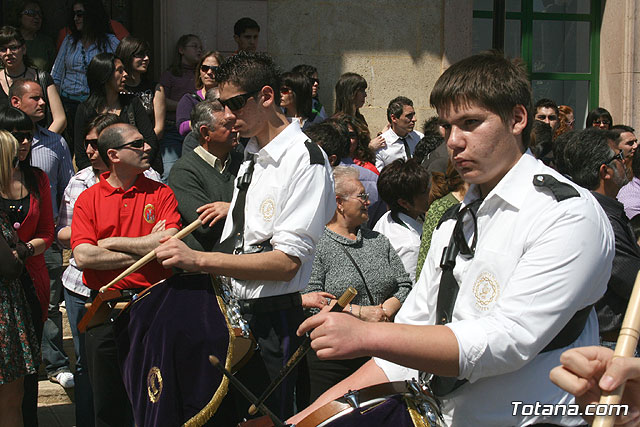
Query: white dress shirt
x=288 y=203
x=395 y=147
x=405 y=239
x=536 y=263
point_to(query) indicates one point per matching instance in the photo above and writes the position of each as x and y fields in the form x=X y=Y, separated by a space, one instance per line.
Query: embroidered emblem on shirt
x=149 y=213
x=486 y=290
x=268 y=209
x=154 y=384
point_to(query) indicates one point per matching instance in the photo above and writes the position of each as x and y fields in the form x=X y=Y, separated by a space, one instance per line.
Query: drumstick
x=245 y=391
x=625 y=347
x=151 y=255
x=342 y=302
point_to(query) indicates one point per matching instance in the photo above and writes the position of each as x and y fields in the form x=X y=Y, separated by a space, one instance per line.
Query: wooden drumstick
x=625 y=347
x=151 y=255
x=342 y=302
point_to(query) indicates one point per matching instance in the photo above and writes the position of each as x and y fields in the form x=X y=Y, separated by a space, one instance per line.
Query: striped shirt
x=72 y=276
x=49 y=152
x=69 y=71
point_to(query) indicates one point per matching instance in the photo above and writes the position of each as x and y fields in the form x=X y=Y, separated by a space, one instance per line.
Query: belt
x=77 y=98
x=270 y=304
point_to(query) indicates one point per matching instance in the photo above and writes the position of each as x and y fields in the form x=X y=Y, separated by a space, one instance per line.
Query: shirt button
x=125 y=205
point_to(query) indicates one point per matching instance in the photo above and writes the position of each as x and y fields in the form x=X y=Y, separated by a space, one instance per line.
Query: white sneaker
x=65 y=379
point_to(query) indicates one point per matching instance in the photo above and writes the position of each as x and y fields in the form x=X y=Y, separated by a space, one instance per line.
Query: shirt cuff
x=472 y=344
x=293 y=245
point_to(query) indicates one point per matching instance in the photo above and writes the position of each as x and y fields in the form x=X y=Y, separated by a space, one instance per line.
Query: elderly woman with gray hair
x=351 y=255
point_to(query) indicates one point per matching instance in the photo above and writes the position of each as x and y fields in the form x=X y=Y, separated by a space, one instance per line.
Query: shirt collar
x=108 y=190
x=211 y=159
x=510 y=188
x=412 y=223
x=276 y=148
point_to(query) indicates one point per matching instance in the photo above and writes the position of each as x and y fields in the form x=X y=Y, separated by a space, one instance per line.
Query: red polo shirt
x=102 y=211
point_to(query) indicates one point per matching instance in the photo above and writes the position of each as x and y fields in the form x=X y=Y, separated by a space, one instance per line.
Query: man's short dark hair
x=541 y=141
x=584 y=152
x=102 y=121
x=546 y=103
x=19 y=87
x=244 y=24
x=251 y=71
x=489 y=80
x=402 y=179
x=327 y=136
x=396 y=105
x=620 y=129
x=111 y=137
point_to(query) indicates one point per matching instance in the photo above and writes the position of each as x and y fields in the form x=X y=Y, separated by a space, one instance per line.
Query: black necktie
x=458 y=233
x=235 y=242
x=407 y=150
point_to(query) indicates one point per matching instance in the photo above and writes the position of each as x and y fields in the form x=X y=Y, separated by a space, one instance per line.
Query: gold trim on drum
x=154 y=384
x=207 y=412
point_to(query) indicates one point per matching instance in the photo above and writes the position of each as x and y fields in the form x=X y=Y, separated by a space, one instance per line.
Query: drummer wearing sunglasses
x=116 y=222
x=510 y=279
x=285 y=187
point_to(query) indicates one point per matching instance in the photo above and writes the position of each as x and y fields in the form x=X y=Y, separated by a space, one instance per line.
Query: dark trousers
x=275 y=333
x=110 y=401
x=83 y=394
x=30 y=397
x=53 y=354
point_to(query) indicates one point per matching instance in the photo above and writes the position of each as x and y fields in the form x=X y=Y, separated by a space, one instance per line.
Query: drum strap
x=448 y=294
x=235 y=242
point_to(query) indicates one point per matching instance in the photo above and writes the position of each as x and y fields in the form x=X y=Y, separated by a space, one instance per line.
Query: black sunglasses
x=237 y=102
x=21 y=136
x=619 y=156
x=141 y=55
x=352 y=135
x=314 y=81
x=138 y=143
x=91 y=142
x=31 y=12
x=206 y=68
x=78 y=13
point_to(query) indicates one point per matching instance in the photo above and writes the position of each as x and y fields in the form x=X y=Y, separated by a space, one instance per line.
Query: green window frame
x=527 y=16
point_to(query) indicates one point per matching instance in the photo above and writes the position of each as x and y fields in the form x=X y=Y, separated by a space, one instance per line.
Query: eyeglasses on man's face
x=619 y=156
x=237 y=102
x=138 y=143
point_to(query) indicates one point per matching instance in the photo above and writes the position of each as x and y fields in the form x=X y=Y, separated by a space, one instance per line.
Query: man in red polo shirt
x=115 y=223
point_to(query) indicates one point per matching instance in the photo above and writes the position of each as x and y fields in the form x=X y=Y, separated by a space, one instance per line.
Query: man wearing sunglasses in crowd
x=509 y=280
x=282 y=200
x=547 y=111
x=593 y=159
x=115 y=223
x=49 y=152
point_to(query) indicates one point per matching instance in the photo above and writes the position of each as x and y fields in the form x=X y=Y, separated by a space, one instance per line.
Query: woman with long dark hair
x=205 y=79
x=359 y=149
x=599 y=118
x=134 y=54
x=17 y=65
x=177 y=81
x=42 y=50
x=106 y=76
x=351 y=93
x=296 y=99
x=90 y=35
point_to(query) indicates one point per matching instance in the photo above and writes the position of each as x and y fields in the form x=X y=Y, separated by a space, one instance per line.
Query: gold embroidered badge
x=154 y=384
x=268 y=209
x=149 y=213
x=486 y=290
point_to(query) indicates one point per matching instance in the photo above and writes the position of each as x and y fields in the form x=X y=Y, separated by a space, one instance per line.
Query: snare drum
x=398 y=404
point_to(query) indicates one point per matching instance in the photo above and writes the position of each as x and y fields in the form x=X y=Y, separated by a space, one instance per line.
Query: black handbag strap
x=364 y=282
